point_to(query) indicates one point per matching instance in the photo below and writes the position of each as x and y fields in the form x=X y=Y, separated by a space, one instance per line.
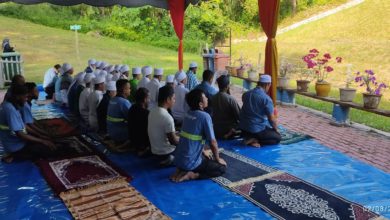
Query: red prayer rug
x=112 y=200
x=78 y=172
x=58 y=127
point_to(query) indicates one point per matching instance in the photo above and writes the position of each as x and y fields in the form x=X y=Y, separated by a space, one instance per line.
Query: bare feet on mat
x=252 y=142
x=181 y=176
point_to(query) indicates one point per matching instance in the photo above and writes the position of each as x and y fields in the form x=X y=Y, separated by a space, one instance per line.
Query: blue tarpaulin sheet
x=24 y=193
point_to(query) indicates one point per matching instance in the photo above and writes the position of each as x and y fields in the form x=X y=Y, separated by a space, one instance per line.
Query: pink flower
x=329 y=69
x=314 y=51
x=339 y=59
x=327 y=56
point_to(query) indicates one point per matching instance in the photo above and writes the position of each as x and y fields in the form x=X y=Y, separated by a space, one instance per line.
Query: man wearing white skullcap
x=97 y=65
x=147 y=73
x=256 y=109
x=74 y=92
x=101 y=110
x=63 y=83
x=117 y=67
x=110 y=69
x=180 y=107
x=125 y=71
x=153 y=86
x=103 y=65
x=91 y=66
x=192 y=82
x=83 y=100
x=116 y=76
x=136 y=71
x=170 y=81
x=93 y=101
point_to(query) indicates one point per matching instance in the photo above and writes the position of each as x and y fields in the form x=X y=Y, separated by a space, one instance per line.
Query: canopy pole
x=176 y=10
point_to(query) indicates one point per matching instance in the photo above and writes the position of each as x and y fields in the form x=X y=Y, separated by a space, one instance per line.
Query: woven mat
x=285 y=196
x=58 y=127
x=112 y=200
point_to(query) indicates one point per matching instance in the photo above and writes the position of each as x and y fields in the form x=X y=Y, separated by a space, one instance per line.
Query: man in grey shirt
x=226 y=110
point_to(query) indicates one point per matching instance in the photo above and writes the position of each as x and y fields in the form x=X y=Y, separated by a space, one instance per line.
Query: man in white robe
x=153 y=86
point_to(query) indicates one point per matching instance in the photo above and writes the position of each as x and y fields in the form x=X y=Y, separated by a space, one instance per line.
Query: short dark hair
x=120 y=85
x=223 y=82
x=16 y=78
x=57 y=66
x=17 y=90
x=262 y=84
x=141 y=94
x=193 y=98
x=207 y=75
x=30 y=86
x=164 y=93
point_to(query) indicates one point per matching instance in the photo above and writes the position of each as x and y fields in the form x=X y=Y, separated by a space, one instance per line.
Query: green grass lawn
x=361 y=35
x=42 y=47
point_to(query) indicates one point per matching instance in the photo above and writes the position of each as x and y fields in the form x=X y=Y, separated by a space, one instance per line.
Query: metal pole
x=230 y=47
x=77 y=47
x=1 y=75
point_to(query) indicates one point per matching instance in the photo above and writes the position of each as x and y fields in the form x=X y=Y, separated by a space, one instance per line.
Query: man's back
x=256 y=106
x=227 y=113
x=160 y=123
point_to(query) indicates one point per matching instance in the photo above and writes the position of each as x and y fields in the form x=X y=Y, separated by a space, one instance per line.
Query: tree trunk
x=294 y=6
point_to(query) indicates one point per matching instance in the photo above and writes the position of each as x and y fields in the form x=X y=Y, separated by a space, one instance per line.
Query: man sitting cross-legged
x=191 y=159
x=16 y=141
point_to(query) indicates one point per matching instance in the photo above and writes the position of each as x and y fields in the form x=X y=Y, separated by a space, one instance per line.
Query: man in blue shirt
x=16 y=141
x=117 y=113
x=197 y=128
x=192 y=82
x=257 y=120
x=207 y=89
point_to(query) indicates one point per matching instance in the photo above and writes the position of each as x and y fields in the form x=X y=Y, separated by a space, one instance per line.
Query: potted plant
x=321 y=67
x=253 y=72
x=304 y=78
x=347 y=94
x=285 y=69
x=373 y=94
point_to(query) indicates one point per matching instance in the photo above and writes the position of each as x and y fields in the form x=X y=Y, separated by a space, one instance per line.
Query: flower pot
x=253 y=75
x=371 y=100
x=347 y=94
x=322 y=89
x=302 y=85
x=283 y=82
x=240 y=72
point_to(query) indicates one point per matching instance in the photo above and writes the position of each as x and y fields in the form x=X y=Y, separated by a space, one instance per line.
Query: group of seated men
x=144 y=115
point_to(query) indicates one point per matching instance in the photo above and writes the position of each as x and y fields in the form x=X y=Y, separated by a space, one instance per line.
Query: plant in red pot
x=373 y=94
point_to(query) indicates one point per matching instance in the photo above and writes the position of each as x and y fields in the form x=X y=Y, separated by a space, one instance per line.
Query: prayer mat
x=72 y=146
x=58 y=127
x=290 y=137
x=285 y=196
x=78 y=172
x=112 y=200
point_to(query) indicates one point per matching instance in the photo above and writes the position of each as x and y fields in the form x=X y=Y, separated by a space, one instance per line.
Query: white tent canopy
x=103 y=3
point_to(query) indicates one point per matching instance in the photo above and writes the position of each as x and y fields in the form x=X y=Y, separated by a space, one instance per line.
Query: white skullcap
x=109 y=77
x=80 y=77
x=66 y=67
x=136 y=70
x=103 y=73
x=117 y=67
x=103 y=65
x=147 y=70
x=109 y=68
x=91 y=62
x=180 y=76
x=111 y=86
x=158 y=71
x=88 y=77
x=124 y=68
x=99 y=79
x=98 y=63
x=265 y=78
x=193 y=64
x=170 y=79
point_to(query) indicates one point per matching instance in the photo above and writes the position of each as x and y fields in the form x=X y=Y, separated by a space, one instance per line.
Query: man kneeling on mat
x=191 y=159
x=17 y=143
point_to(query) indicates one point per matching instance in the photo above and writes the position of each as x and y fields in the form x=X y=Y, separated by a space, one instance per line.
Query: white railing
x=10 y=64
